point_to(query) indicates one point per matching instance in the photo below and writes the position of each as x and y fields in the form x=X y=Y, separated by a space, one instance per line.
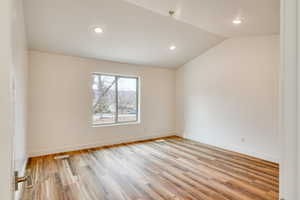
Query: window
x=115 y=99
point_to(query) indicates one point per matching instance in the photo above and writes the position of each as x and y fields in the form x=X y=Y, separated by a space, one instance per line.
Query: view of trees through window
x=114 y=99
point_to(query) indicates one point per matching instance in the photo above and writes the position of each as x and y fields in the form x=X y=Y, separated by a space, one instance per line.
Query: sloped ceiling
x=260 y=17
x=135 y=31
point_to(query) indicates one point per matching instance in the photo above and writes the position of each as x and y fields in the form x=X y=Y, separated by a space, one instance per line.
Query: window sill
x=116 y=124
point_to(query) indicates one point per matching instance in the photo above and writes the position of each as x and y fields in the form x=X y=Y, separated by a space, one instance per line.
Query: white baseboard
x=132 y=139
x=238 y=150
x=76 y=147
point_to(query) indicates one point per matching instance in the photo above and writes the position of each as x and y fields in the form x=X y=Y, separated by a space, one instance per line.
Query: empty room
x=149 y=100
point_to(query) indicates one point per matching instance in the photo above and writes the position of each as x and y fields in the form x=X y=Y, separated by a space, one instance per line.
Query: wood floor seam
x=172 y=169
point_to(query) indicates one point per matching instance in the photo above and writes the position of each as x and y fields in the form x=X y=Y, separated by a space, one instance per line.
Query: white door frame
x=6 y=107
x=289 y=98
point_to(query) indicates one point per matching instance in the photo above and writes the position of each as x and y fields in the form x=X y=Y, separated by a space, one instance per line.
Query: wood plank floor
x=173 y=169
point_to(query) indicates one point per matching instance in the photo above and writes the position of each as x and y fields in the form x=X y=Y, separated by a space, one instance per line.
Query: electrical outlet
x=243 y=139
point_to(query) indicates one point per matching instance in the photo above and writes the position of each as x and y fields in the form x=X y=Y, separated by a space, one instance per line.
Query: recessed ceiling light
x=98 y=30
x=237 y=21
x=172 y=48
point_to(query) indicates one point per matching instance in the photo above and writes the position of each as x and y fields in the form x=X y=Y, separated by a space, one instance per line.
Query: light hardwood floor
x=173 y=169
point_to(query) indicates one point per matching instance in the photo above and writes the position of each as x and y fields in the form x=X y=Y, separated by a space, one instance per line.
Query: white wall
x=230 y=93
x=60 y=103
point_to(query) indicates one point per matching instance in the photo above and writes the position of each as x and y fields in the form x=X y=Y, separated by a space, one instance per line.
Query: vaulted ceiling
x=141 y=31
x=260 y=17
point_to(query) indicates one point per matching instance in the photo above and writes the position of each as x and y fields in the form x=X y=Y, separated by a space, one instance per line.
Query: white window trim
x=117 y=123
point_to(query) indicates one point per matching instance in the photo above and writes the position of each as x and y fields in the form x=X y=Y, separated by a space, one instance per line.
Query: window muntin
x=115 y=99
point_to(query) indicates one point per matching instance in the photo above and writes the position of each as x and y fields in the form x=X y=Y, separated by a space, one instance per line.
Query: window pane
x=104 y=99
x=127 y=99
